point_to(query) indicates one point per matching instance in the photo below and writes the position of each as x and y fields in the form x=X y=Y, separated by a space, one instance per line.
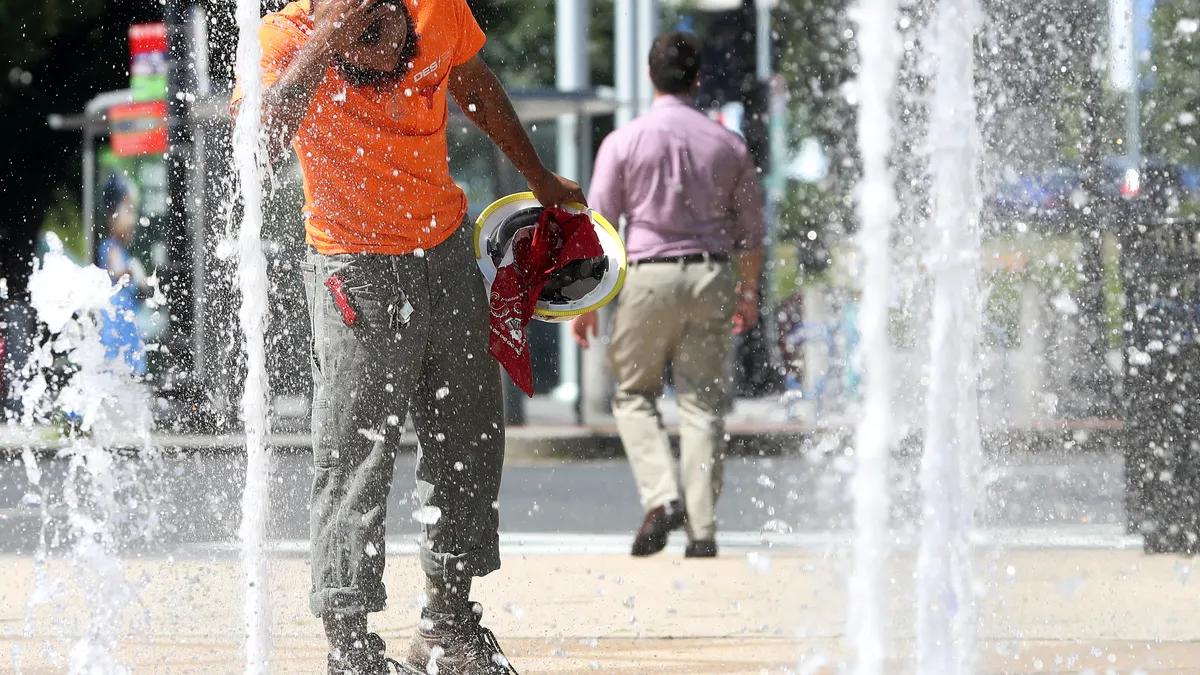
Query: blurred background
x=1087 y=117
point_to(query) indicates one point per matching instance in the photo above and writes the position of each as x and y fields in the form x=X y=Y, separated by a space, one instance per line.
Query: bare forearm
x=485 y=103
x=286 y=102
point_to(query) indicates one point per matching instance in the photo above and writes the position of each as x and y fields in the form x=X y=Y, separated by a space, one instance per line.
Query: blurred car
x=1041 y=195
x=1160 y=186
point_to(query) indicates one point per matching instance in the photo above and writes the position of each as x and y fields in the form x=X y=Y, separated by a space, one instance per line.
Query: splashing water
x=946 y=612
x=248 y=155
x=108 y=501
x=879 y=48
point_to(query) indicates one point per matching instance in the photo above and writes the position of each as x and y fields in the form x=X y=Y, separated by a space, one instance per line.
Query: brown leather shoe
x=652 y=537
x=457 y=645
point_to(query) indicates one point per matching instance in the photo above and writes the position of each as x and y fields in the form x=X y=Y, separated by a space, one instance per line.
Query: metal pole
x=177 y=275
x=762 y=41
x=776 y=188
x=571 y=74
x=595 y=378
x=89 y=193
x=1133 y=104
x=777 y=156
x=647 y=30
x=503 y=183
x=625 y=59
x=195 y=191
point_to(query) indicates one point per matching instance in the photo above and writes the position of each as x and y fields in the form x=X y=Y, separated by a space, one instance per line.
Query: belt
x=685 y=259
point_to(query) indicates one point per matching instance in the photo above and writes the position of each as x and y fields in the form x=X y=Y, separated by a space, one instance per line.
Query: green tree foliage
x=57 y=55
x=27 y=30
x=521 y=38
x=817 y=61
x=1172 y=120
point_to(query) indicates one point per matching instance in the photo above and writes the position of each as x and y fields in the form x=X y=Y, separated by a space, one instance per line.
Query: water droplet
x=759 y=562
x=427 y=515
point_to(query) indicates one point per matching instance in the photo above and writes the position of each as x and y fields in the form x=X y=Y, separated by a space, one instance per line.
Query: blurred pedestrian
x=398 y=308
x=688 y=190
x=120 y=334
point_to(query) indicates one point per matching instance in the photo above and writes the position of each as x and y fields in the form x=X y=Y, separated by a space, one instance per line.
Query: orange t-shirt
x=375 y=159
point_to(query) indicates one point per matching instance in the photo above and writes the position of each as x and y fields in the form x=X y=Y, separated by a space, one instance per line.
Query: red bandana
x=558 y=239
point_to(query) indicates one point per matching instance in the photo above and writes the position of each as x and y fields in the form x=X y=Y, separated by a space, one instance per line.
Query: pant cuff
x=347 y=601
x=477 y=562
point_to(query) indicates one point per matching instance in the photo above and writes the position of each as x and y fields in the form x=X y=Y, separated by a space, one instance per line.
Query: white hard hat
x=580 y=287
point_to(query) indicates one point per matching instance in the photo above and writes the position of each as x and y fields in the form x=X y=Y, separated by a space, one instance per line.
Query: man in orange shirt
x=398 y=308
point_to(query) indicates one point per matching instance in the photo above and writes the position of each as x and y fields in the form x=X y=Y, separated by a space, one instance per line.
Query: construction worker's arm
x=482 y=98
x=337 y=25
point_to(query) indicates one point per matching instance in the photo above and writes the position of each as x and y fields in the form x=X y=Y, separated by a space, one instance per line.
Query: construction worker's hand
x=746 y=314
x=340 y=23
x=582 y=326
x=552 y=189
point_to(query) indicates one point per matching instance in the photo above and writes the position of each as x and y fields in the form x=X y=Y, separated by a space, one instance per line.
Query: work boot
x=652 y=537
x=364 y=657
x=457 y=645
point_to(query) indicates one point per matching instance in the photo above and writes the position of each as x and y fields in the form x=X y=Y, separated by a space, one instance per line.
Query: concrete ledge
x=524 y=443
x=603 y=442
x=550 y=443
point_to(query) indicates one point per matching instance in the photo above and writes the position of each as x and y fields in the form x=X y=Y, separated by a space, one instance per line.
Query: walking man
x=687 y=188
x=398 y=308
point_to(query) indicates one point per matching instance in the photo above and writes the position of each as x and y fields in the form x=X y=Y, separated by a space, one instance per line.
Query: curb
x=567 y=443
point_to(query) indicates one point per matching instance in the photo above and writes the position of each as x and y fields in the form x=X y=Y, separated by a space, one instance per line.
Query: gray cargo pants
x=366 y=377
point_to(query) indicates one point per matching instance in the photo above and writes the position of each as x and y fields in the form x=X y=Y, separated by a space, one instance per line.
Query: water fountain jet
x=879 y=47
x=249 y=159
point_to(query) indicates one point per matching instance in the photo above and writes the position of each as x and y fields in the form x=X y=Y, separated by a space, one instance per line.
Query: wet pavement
x=1043 y=611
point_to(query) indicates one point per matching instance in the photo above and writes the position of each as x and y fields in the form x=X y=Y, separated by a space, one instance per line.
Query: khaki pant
x=677 y=313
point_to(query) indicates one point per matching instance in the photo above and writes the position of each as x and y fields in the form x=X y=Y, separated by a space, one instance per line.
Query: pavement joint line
x=536 y=544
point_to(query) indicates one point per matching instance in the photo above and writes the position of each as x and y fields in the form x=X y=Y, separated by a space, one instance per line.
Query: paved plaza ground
x=749 y=612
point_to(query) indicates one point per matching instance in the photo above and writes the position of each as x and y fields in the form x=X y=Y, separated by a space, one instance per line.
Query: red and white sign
x=138 y=128
x=148 y=61
x=148 y=49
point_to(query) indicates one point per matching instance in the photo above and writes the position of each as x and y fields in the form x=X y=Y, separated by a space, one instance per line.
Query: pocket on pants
x=363 y=300
x=308 y=273
x=718 y=293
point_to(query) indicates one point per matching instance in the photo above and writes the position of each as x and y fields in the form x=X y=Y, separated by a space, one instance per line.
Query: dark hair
x=116 y=189
x=675 y=60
